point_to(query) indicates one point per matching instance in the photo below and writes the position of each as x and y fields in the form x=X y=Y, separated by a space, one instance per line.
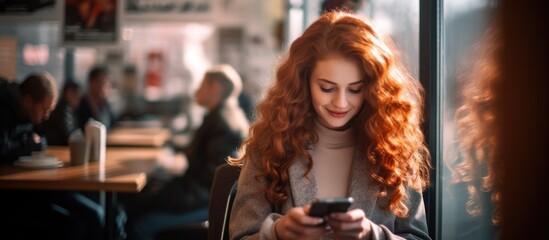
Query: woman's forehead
x=337 y=70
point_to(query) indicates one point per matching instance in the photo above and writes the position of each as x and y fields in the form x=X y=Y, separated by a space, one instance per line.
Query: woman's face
x=336 y=90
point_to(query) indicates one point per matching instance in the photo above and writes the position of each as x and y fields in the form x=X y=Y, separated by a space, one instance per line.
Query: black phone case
x=323 y=207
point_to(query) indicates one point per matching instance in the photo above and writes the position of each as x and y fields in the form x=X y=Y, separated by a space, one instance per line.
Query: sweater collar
x=330 y=138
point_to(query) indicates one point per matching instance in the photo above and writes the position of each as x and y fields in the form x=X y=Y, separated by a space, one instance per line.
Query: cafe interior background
x=162 y=47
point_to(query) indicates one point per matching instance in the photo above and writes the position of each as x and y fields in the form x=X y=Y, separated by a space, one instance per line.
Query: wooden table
x=125 y=171
x=138 y=137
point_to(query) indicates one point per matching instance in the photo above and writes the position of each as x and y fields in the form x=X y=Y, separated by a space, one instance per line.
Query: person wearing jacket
x=224 y=127
x=94 y=104
x=23 y=107
x=38 y=214
x=62 y=121
x=342 y=119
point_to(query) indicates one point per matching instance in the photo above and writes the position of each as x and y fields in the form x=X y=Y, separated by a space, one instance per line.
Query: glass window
x=399 y=19
x=465 y=204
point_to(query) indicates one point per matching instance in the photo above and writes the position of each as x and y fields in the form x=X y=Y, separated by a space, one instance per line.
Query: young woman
x=342 y=119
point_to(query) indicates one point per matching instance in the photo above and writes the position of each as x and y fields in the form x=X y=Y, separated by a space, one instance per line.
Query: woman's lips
x=337 y=114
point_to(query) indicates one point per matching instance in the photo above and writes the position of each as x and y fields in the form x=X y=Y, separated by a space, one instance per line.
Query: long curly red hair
x=391 y=137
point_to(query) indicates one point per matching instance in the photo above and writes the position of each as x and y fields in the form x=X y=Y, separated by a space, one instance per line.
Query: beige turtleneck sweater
x=332 y=160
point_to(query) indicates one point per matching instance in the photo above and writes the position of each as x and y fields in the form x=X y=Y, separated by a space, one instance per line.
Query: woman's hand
x=350 y=225
x=296 y=224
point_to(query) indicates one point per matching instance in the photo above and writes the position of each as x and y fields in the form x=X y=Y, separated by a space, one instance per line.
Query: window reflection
x=471 y=194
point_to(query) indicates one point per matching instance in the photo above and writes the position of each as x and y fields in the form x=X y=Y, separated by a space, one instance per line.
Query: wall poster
x=91 y=22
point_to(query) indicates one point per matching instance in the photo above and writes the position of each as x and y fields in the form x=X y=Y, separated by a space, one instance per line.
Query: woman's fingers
x=298 y=225
x=349 y=225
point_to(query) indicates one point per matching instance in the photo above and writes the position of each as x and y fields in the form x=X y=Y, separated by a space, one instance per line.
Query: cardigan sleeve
x=267 y=231
x=251 y=211
x=412 y=226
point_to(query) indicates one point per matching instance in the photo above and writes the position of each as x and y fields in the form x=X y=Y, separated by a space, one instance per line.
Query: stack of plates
x=39 y=161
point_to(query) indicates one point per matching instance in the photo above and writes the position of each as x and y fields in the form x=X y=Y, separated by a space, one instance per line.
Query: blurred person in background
x=38 y=214
x=63 y=120
x=164 y=205
x=134 y=108
x=94 y=104
x=246 y=102
x=23 y=107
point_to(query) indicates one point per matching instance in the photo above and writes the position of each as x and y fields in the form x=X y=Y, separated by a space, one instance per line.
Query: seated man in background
x=24 y=106
x=38 y=214
x=162 y=206
x=62 y=121
x=94 y=103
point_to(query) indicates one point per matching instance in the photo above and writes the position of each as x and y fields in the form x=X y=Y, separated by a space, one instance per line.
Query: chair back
x=221 y=199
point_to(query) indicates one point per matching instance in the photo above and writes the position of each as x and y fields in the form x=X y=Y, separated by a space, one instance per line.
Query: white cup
x=79 y=151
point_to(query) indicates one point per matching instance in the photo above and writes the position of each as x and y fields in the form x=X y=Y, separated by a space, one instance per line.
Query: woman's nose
x=340 y=100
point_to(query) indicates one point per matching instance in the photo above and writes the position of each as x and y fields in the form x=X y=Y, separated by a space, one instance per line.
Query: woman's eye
x=355 y=91
x=327 y=89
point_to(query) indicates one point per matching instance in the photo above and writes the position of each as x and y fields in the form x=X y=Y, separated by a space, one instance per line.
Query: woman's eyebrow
x=357 y=82
x=330 y=82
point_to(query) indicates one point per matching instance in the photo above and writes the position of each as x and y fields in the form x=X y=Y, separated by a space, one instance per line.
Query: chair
x=192 y=226
x=221 y=200
x=219 y=208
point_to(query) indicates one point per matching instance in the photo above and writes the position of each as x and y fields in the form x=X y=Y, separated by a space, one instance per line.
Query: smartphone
x=324 y=206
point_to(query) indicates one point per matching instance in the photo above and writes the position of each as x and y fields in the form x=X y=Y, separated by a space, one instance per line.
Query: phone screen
x=325 y=206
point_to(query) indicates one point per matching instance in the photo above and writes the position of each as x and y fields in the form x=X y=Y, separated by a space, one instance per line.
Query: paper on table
x=44 y=161
x=96 y=134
